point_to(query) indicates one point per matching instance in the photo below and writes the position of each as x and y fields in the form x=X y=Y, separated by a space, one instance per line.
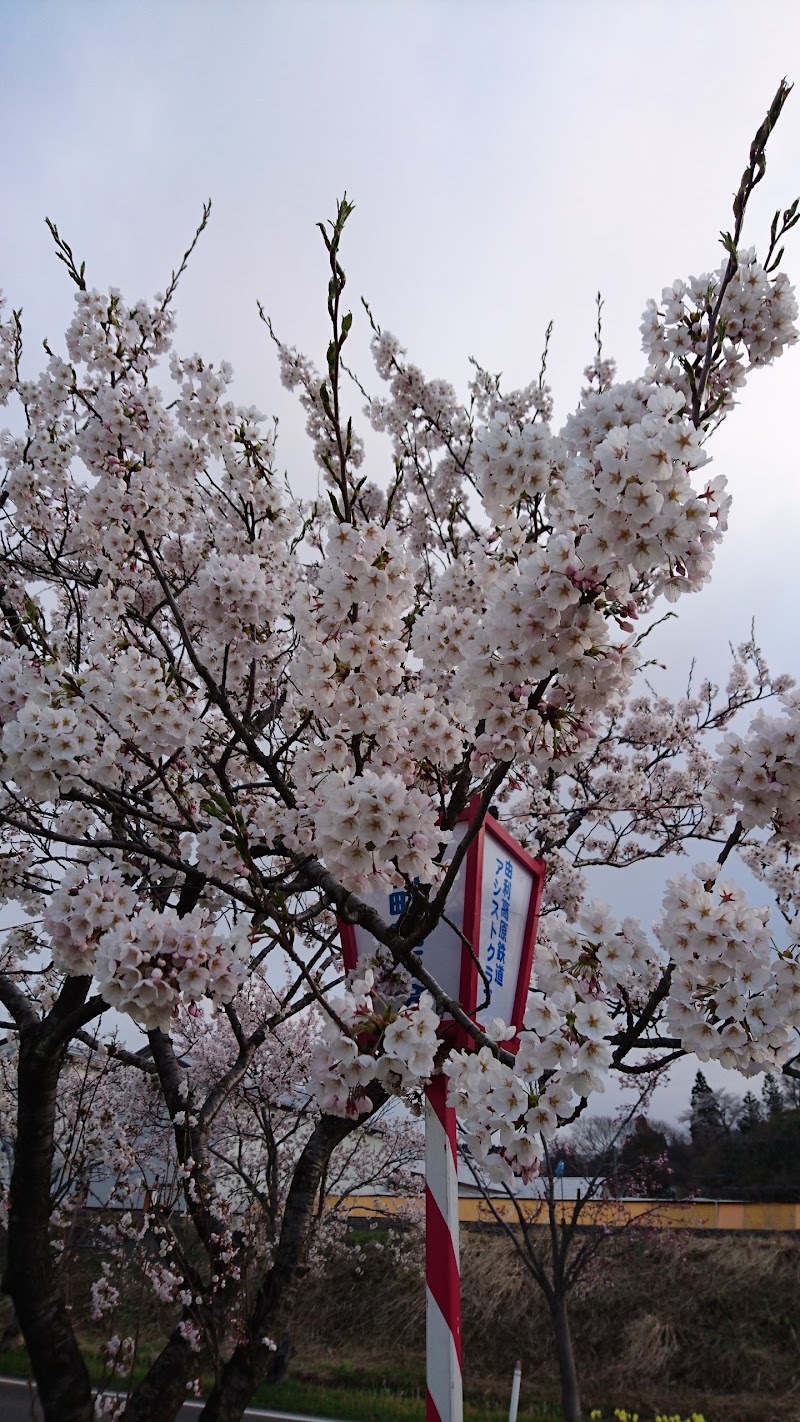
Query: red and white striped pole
x=442 y=1275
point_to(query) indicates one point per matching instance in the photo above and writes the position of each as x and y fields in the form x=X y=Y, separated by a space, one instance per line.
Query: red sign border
x=468 y=982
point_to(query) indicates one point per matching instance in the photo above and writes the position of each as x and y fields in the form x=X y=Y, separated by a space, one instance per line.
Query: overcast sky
x=508 y=160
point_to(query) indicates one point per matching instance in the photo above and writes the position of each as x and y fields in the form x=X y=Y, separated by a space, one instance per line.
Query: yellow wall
x=655 y=1214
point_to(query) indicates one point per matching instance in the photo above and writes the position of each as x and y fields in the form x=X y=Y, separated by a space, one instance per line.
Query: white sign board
x=506 y=889
x=440 y=952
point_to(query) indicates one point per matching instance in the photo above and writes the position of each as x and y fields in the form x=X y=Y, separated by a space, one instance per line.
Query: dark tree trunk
x=12 y=1332
x=251 y=1361
x=162 y=1391
x=32 y=1275
x=570 y=1392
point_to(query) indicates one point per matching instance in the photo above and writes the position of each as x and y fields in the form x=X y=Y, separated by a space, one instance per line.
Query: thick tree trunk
x=162 y=1391
x=250 y=1362
x=32 y=1275
x=570 y=1393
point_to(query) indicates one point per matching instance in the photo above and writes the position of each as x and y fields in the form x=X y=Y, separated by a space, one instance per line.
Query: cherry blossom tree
x=230 y=714
x=117 y=1185
x=550 y=1235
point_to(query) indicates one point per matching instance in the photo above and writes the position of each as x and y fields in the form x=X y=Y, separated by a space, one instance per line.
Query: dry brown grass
x=676 y=1324
x=694 y=1322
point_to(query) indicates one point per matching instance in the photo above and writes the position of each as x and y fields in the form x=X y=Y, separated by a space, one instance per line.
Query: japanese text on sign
x=397 y=903
x=498 y=921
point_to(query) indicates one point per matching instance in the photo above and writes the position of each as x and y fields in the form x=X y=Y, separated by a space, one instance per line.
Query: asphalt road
x=18 y=1405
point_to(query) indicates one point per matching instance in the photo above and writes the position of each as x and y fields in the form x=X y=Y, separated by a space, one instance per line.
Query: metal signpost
x=494 y=901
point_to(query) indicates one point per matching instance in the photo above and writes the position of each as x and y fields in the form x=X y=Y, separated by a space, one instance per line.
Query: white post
x=512 y=1411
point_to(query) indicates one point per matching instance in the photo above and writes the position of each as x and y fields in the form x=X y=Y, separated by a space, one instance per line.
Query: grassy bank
x=357 y=1394
x=665 y=1325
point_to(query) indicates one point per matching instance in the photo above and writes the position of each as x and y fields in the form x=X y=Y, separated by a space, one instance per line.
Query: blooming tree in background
x=117 y=1187
x=230 y=714
x=559 y=1242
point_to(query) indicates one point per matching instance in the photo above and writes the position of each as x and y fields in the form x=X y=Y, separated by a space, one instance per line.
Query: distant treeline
x=730 y=1148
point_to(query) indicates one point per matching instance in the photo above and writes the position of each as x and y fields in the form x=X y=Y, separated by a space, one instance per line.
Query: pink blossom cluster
x=372 y=1040
x=89 y=902
x=45 y=747
x=729 y=999
x=758 y=773
x=510 y=1112
x=516 y=464
x=59 y=728
x=104 y=1294
x=372 y=829
x=600 y=954
x=564 y=1055
x=757 y=313
x=232 y=592
x=349 y=613
x=113 y=338
x=777 y=864
x=146 y=963
x=156 y=962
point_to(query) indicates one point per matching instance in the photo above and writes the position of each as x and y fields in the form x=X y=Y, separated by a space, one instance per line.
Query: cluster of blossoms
x=130 y=693
x=728 y=998
x=601 y=955
x=757 y=319
x=87 y=904
x=758 y=773
x=105 y=1295
x=45 y=747
x=353 y=676
x=146 y=963
x=619 y=481
x=777 y=864
x=155 y=962
x=114 y=338
x=233 y=594
x=372 y=826
x=517 y=615
x=381 y=1041
x=510 y=1112
x=204 y=412
x=60 y=730
x=564 y=1053
x=516 y=464
x=642 y=509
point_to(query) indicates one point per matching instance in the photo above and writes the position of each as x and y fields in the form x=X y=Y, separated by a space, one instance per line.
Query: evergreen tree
x=751 y=1114
x=644 y=1161
x=706 y=1121
x=773 y=1098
